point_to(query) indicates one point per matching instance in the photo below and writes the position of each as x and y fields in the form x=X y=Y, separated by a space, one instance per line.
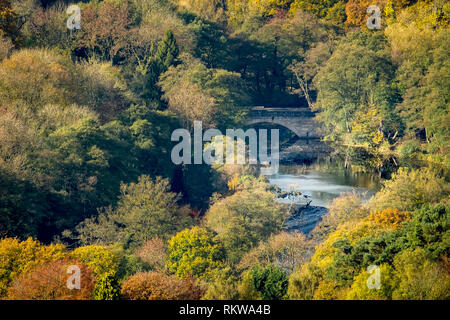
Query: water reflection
x=322 y=185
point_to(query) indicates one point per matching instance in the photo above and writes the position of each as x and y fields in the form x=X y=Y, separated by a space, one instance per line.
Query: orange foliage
x=159 y=286
x=49 y=282
x=153 y=252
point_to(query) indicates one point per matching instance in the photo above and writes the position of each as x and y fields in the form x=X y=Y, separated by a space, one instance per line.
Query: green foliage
x=104 y=265
x=194 y=252
x=271 y=282
x=420 y=278
x=360 y=291
x=148 y=71
x=409 y=148
x=223 y=285
x=100 y=259
x=145 y=210
x=196 y=93
x=428 y=229
x=355 y=95
x=106 y=287
x=245 y=218
x=409 y=189
x=81 y=140
x=304 y=282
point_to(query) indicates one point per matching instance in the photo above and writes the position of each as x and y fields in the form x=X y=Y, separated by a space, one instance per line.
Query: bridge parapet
x=281 y=112
x=298 y=120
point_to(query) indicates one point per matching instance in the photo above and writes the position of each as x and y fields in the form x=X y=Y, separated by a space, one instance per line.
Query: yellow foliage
x=233 y=183
x=389 y=218
x=352 y=231
x=99 y=258
x=409 y=189
x=328 y=290
x=360 y=290
x=17 y=257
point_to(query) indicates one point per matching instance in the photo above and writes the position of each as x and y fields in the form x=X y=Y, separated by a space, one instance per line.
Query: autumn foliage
x=159 y=286
x=49 y=282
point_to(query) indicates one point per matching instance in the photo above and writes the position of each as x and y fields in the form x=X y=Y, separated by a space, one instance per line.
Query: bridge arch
x=298 y=120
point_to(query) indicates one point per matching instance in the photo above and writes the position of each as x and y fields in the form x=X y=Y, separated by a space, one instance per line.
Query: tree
x=145 y=210
x=214 y=10
x=154 y=253
x=319 y=8
x=148 y=71
x=409 y=189
x=214 y=96
x=283 y=250
x=194 y=252
x=354 y=82
x=159 y=286
x=223 y=285
x=17 y=257
x=304 y=282
x=49 y=282
x=356 y=11
x=100 y=259
x=107 y=30
x=360 y=291
x=21 y=208
x=9 y=21
x=48 y=28
x=245 y=218
x=345 y=208
x=419 y=277
x=271 y=282
x=389 y=218
x=416 y=38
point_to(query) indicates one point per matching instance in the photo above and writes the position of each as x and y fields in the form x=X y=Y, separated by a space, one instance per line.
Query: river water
x=322 y=186
x=320 y=179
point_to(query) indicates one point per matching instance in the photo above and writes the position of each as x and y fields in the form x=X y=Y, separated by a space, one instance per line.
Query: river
x=320 y=181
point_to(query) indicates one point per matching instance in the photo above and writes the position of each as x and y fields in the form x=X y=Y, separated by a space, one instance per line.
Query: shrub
x=408 y=148
x=49 y=282
x=159 y=286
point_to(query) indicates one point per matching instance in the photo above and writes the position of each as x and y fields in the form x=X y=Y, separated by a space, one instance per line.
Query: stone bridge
x=298 y=120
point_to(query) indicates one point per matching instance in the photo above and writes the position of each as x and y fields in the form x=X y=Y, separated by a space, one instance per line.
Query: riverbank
x=305 y=219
